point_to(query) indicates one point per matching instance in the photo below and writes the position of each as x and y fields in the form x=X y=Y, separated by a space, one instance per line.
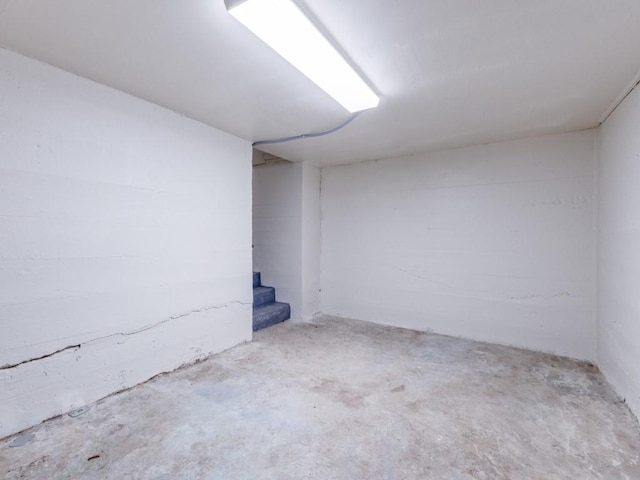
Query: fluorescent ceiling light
x=283 y=26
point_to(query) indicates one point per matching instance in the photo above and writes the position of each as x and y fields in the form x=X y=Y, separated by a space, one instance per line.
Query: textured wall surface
x=619 y=250
x=125 y=241
x=493 y=242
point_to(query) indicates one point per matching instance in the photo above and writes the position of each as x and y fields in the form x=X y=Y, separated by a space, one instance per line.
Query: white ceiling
x=450 y=72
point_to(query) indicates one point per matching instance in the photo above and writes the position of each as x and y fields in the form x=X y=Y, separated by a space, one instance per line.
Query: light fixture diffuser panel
x=283 y=26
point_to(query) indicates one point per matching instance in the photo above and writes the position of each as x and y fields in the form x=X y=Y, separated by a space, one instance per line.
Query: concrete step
x=263 y=296
x=256 y=279
x=268 y=315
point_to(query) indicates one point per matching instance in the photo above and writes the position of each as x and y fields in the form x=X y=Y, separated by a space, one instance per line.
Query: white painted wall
x=310 y=241
x=286 y=233
x=124 y=241
x=619 y=251
x=494 y=242
x=277 y=232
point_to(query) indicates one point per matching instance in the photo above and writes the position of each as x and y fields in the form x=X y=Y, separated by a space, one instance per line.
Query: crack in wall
x=122 y=334
x=64 y=349
x=166 y=320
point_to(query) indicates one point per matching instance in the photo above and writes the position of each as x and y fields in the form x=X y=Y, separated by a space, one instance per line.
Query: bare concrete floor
x=338 y=399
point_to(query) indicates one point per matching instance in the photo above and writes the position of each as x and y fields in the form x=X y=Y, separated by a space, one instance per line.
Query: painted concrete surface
x=337 y=399
x=618 y=250
x=125 y=231
x=311 y=239
x=493 y=242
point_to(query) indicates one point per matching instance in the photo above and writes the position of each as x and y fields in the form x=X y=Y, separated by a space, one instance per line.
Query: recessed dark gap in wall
x=264 y=158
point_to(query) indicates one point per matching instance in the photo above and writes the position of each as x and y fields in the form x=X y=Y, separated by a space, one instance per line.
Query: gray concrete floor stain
x=341 y=399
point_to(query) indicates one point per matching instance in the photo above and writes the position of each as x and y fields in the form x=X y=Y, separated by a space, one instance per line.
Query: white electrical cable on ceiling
x=308 y=135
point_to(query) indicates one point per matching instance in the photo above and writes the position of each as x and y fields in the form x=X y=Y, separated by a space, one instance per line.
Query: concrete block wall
x=493 y=242
x=619 y=250
x=125 y=241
